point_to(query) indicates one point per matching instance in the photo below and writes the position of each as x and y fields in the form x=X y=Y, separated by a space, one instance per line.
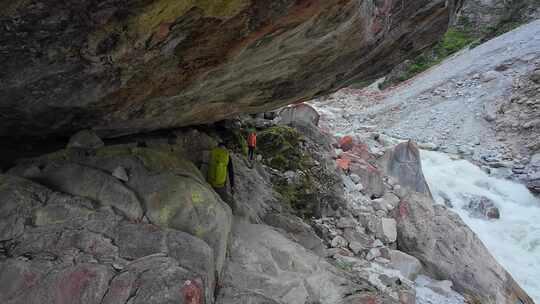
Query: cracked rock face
x=58 y=248
x=128 y=66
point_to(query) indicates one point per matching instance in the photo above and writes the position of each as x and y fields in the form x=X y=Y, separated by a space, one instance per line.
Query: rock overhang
x=123 y=68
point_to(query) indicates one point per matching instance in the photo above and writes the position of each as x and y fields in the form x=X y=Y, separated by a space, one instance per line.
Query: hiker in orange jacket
x=252 y=143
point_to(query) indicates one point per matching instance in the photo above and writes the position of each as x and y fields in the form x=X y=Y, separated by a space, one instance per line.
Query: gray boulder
x=67 y=249
x=534 y=186
x=121 y=174
x=386 y=230
x=170 y=189
x=448 y=249
x=302 y=114
x=95 y=184
x=266 y=267
x=408 y=265
x=297 y=230
x=483 y=207
x=403 y=163
x=253 y=181
x=85 y=139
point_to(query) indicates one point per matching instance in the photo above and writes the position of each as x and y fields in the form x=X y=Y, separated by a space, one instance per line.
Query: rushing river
x=514 y=239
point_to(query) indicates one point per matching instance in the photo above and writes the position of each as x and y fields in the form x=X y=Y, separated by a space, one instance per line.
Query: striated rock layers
x=128 y=66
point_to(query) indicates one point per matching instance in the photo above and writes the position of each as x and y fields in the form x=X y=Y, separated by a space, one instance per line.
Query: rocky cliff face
x=483 y=16
x=127 y=66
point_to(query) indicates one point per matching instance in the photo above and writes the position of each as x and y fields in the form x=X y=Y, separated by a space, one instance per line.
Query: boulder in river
x=481 y=206
x=450 y=250
x=404 y=164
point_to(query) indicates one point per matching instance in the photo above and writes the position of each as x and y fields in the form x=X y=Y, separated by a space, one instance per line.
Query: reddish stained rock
x=192 y=292
x=369 y=299
x=346 y=143
x=362 y=164
x=162 y=32
x=402 y=210
x=70 y=286
x=30 y=279
x=362 y=150
x=343 y=163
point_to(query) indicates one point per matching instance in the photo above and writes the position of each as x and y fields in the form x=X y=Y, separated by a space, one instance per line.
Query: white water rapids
x=514 y=239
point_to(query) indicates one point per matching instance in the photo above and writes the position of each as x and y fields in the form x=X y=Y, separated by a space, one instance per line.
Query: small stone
x=407 y=297
x=355 y=178
x=31 y=172
x=346 y=222
x=339 y=242
x=346 y=143
x=489 y=76
x=535 y=77
x=373 y=253
x=121 y=174
x=117 y=266
x=380 y=213
x=408 y=265
x=441 y=287
x=535 y=160
x=377 y=243
x=386 y=230
x=85 y=139
x=482 y=206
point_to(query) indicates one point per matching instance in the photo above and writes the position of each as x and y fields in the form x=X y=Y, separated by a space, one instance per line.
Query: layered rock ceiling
x=125 y=66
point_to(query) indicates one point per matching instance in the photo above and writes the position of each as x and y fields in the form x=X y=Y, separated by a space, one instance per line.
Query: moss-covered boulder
x=280 y=148
x=163 y=188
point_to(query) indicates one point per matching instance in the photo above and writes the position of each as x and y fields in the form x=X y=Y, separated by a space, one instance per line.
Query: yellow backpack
x=217 y=171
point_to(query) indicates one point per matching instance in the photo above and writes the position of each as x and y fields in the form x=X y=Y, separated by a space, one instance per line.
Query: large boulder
x=302 y=114
x=163 y=187
x=404 y=164
x=128 y=66
x=58 y=248
x=409 y=266
x=297 y=230
x=483 y=207
x=450 y=250
x=250 y=181
x=266 y=267
x=85 y=139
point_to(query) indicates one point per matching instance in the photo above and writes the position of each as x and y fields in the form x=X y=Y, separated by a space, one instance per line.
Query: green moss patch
x=300 y=197
x=280 y=148
x=156 y=158
x=163 y=11
x=453 y=41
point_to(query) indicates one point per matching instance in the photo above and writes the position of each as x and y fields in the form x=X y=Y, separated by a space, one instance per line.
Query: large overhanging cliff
x=124 y=66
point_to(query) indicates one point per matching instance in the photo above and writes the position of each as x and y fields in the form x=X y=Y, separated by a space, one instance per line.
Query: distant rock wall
x=482 y=16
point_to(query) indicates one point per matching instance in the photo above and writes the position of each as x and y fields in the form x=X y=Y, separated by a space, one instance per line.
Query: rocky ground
x=481 y=104
x=348 y=221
